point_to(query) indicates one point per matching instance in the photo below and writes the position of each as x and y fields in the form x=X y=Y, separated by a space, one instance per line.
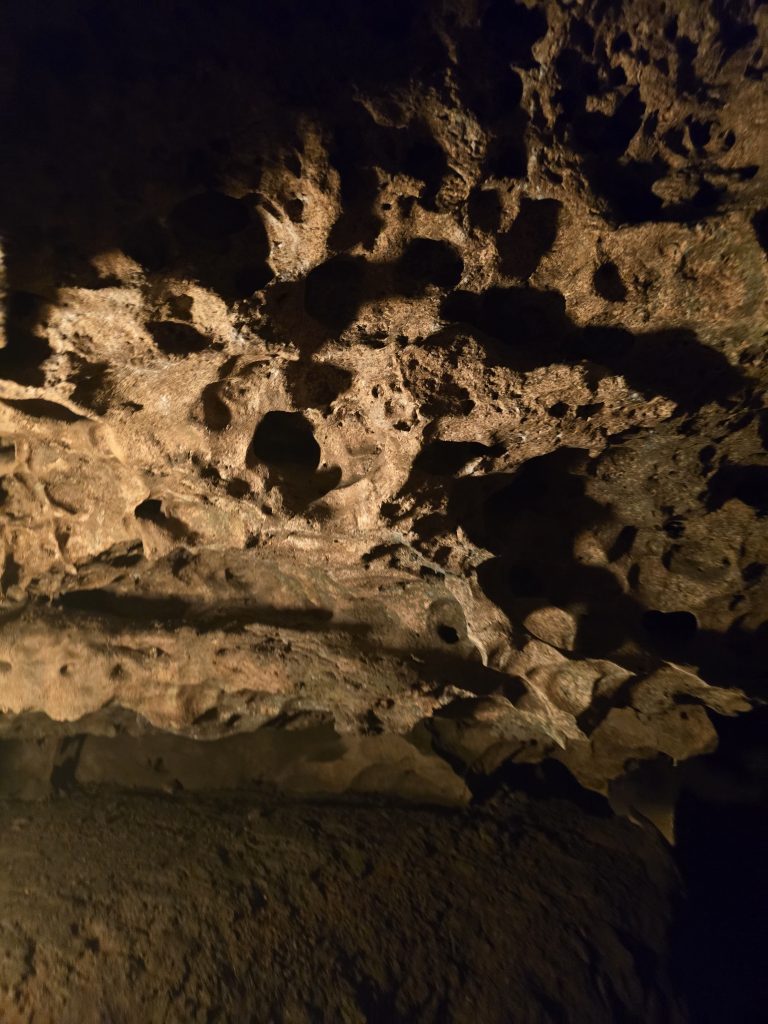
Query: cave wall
x=390 y=370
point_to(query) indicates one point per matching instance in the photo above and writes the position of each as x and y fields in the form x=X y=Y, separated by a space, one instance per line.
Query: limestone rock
x=431 y=402
x=553 y=626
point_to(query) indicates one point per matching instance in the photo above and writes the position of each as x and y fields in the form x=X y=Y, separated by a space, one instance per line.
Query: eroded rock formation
x=389 y=370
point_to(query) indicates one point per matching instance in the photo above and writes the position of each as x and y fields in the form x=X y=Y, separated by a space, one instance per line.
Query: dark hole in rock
x=578 y=77
x=209 y=216
x=316 y=385
x=447 y=634
x=126 y=561
x=211 y=715
x=24 y=351
x=674 y=527
x=523 y=581
x=539 y=482
x=608 y=283
x=484 y=209
x=753 y=572
x=248 y=280
x=149 y=509
x=558 y=410
x=525 y=317
x=210 y=473
x=549 y=781
x=358 y=223
x=623 y=543
x=508 y=156
x=700 y=133
x=427 y=261
x=595 y=132
x=170 y=610
x=532 y=323
x=176 y=339
x=425 y=159
x=22 y=305
x=286 y=439
x=348 y=230
x=675 y=139
x=426 y=527
x=42 y=408
x=687 y=79
x=530 y=238
x=91 y=386
x=513 y=29
x=707 y=454
x=626 y=187
x=706 y=200
x=500 y=102
x=237 y=488
x=735 y=34
x=216 y=413
x=445 y=458
x=462 y=307
x=760 y=227
x=670 y=627
x=7 y=455
x=748 y=484
x=295 y=210
x=606 y=343
x=333 y=291
x=11 y=573
x=583 y=35
x=586 y=412
x=149 y=245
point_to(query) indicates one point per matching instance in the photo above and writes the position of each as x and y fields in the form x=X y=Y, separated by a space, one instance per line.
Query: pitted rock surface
x=429 y=407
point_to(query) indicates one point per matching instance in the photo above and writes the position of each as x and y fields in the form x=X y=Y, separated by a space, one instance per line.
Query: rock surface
x=243 y=911
x=430 y=407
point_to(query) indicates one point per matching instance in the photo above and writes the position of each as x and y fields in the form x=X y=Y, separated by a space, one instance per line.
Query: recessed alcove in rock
x=383 y=511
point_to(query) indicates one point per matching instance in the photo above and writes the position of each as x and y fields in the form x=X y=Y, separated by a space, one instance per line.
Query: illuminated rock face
x=392 y=371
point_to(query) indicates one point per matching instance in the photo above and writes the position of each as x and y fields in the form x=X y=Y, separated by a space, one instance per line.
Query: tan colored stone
x=553 y=626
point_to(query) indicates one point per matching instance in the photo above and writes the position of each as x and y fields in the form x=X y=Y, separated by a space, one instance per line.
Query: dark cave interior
x=383 y=511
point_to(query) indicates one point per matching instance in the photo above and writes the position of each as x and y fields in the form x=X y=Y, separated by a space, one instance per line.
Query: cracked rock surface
x=383 y=384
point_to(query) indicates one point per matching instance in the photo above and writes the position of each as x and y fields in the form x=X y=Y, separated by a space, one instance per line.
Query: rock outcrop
x=395 y=369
